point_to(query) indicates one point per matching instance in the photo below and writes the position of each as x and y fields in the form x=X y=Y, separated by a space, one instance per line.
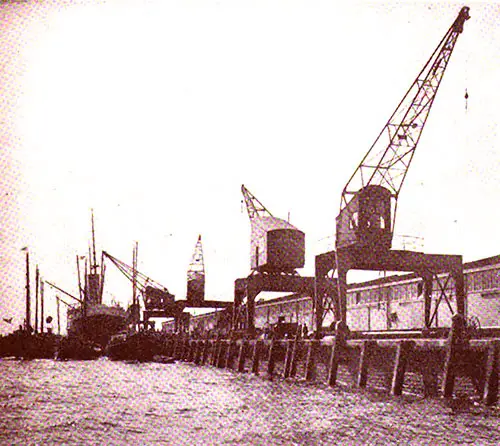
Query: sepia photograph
x=249 y=222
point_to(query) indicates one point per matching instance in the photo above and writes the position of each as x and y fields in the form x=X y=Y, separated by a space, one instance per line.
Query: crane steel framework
x=365 y=225
x=278 y=274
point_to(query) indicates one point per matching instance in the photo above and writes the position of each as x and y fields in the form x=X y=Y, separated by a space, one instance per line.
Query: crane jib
x=388 y=160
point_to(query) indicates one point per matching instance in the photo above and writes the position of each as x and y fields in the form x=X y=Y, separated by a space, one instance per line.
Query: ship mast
x=134 y=274
x=28 y=309
x=93 y=260
x=93 y=276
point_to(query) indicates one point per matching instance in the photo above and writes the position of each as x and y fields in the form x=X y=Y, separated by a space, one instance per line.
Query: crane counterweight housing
x=276 y=245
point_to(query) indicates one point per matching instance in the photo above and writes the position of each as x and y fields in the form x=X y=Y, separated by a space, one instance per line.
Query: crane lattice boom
x=254 y=207
x=197 y=266
x=132 y=274
x=388 y=160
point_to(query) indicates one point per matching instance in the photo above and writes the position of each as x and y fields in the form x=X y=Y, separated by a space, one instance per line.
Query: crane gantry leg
x=442 y=276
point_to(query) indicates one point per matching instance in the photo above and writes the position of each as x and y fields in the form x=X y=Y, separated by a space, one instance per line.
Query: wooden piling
x=180 y=349
x=257 y=349
x=297 y=345
x=216 y=350
x=367 y=349
x=339 y=345
x=192 y=350
x=403 y=353
x=175 y=347
x=242 y=356
x=455 y=345
x=491 y=377
x=197 y=351
x=230 y=355
x=271 y=359
x=312 y=350
x=221 y=354
x=168 y=347
x=205 y=351
x=186 y=350
x=288 y=359
x=171 y=348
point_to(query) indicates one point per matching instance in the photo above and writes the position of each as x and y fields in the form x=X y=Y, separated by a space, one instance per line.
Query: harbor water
x=104 y=402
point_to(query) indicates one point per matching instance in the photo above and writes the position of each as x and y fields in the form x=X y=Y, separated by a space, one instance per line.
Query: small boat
x=139 y=346
x=75 y=347
x=24 y=344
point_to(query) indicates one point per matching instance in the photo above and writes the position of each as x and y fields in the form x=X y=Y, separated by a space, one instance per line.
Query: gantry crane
x=277 y=250
x=158 y=301
x=365 y=223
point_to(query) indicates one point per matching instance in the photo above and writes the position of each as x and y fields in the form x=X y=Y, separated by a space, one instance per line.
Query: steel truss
x=250 y=287
x=446 y=271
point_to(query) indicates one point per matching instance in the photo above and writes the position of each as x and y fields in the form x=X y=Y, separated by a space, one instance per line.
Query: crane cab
x=196 y=288
x=366 y=220
x=157 y=299
x=276 y=246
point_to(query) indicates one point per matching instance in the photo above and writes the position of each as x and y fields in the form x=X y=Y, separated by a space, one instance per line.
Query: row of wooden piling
x=233 y=354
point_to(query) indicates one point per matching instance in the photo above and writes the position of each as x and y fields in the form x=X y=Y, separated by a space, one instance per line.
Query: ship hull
x=98 y=324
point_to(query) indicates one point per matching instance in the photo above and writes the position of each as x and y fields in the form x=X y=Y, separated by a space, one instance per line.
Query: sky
x=154 y=113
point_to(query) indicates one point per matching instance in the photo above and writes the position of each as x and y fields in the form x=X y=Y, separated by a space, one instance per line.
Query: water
x=104 y=402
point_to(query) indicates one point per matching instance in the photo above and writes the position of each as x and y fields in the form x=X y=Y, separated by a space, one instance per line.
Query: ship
x=91 y=321
x=141 y=342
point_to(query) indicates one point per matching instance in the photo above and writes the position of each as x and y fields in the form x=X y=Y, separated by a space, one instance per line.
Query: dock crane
x=158 y=301
x=196 y=276
x=276 y=245
x=277 y=250
x=365 y=223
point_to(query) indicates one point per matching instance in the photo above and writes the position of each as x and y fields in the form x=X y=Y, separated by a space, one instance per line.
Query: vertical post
x=135 y=307
x=28 y=308
x=271 y=359
x=42 y=306
x=403 y=353
x=37 y=283
x=341 y=301
x=191 y=350
x=215 y=351
x=58 y=316
x=319 y=293
x=427 y=299
x=230 y=355
x=221 y=357
x=251 y=295
x=295 y=357
x=338 y=347
x=257 y=348
x=288 y=358
x=178 y=348
x=188 y=347
x=175 y=342
x=491 y=381
x=80 y=290
x=196 y=351
x=366 y=352
x=206 y=348
x=242 y=355
x=311 y=360
x=85 y=290
x=456 y=343
x=458 y=276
